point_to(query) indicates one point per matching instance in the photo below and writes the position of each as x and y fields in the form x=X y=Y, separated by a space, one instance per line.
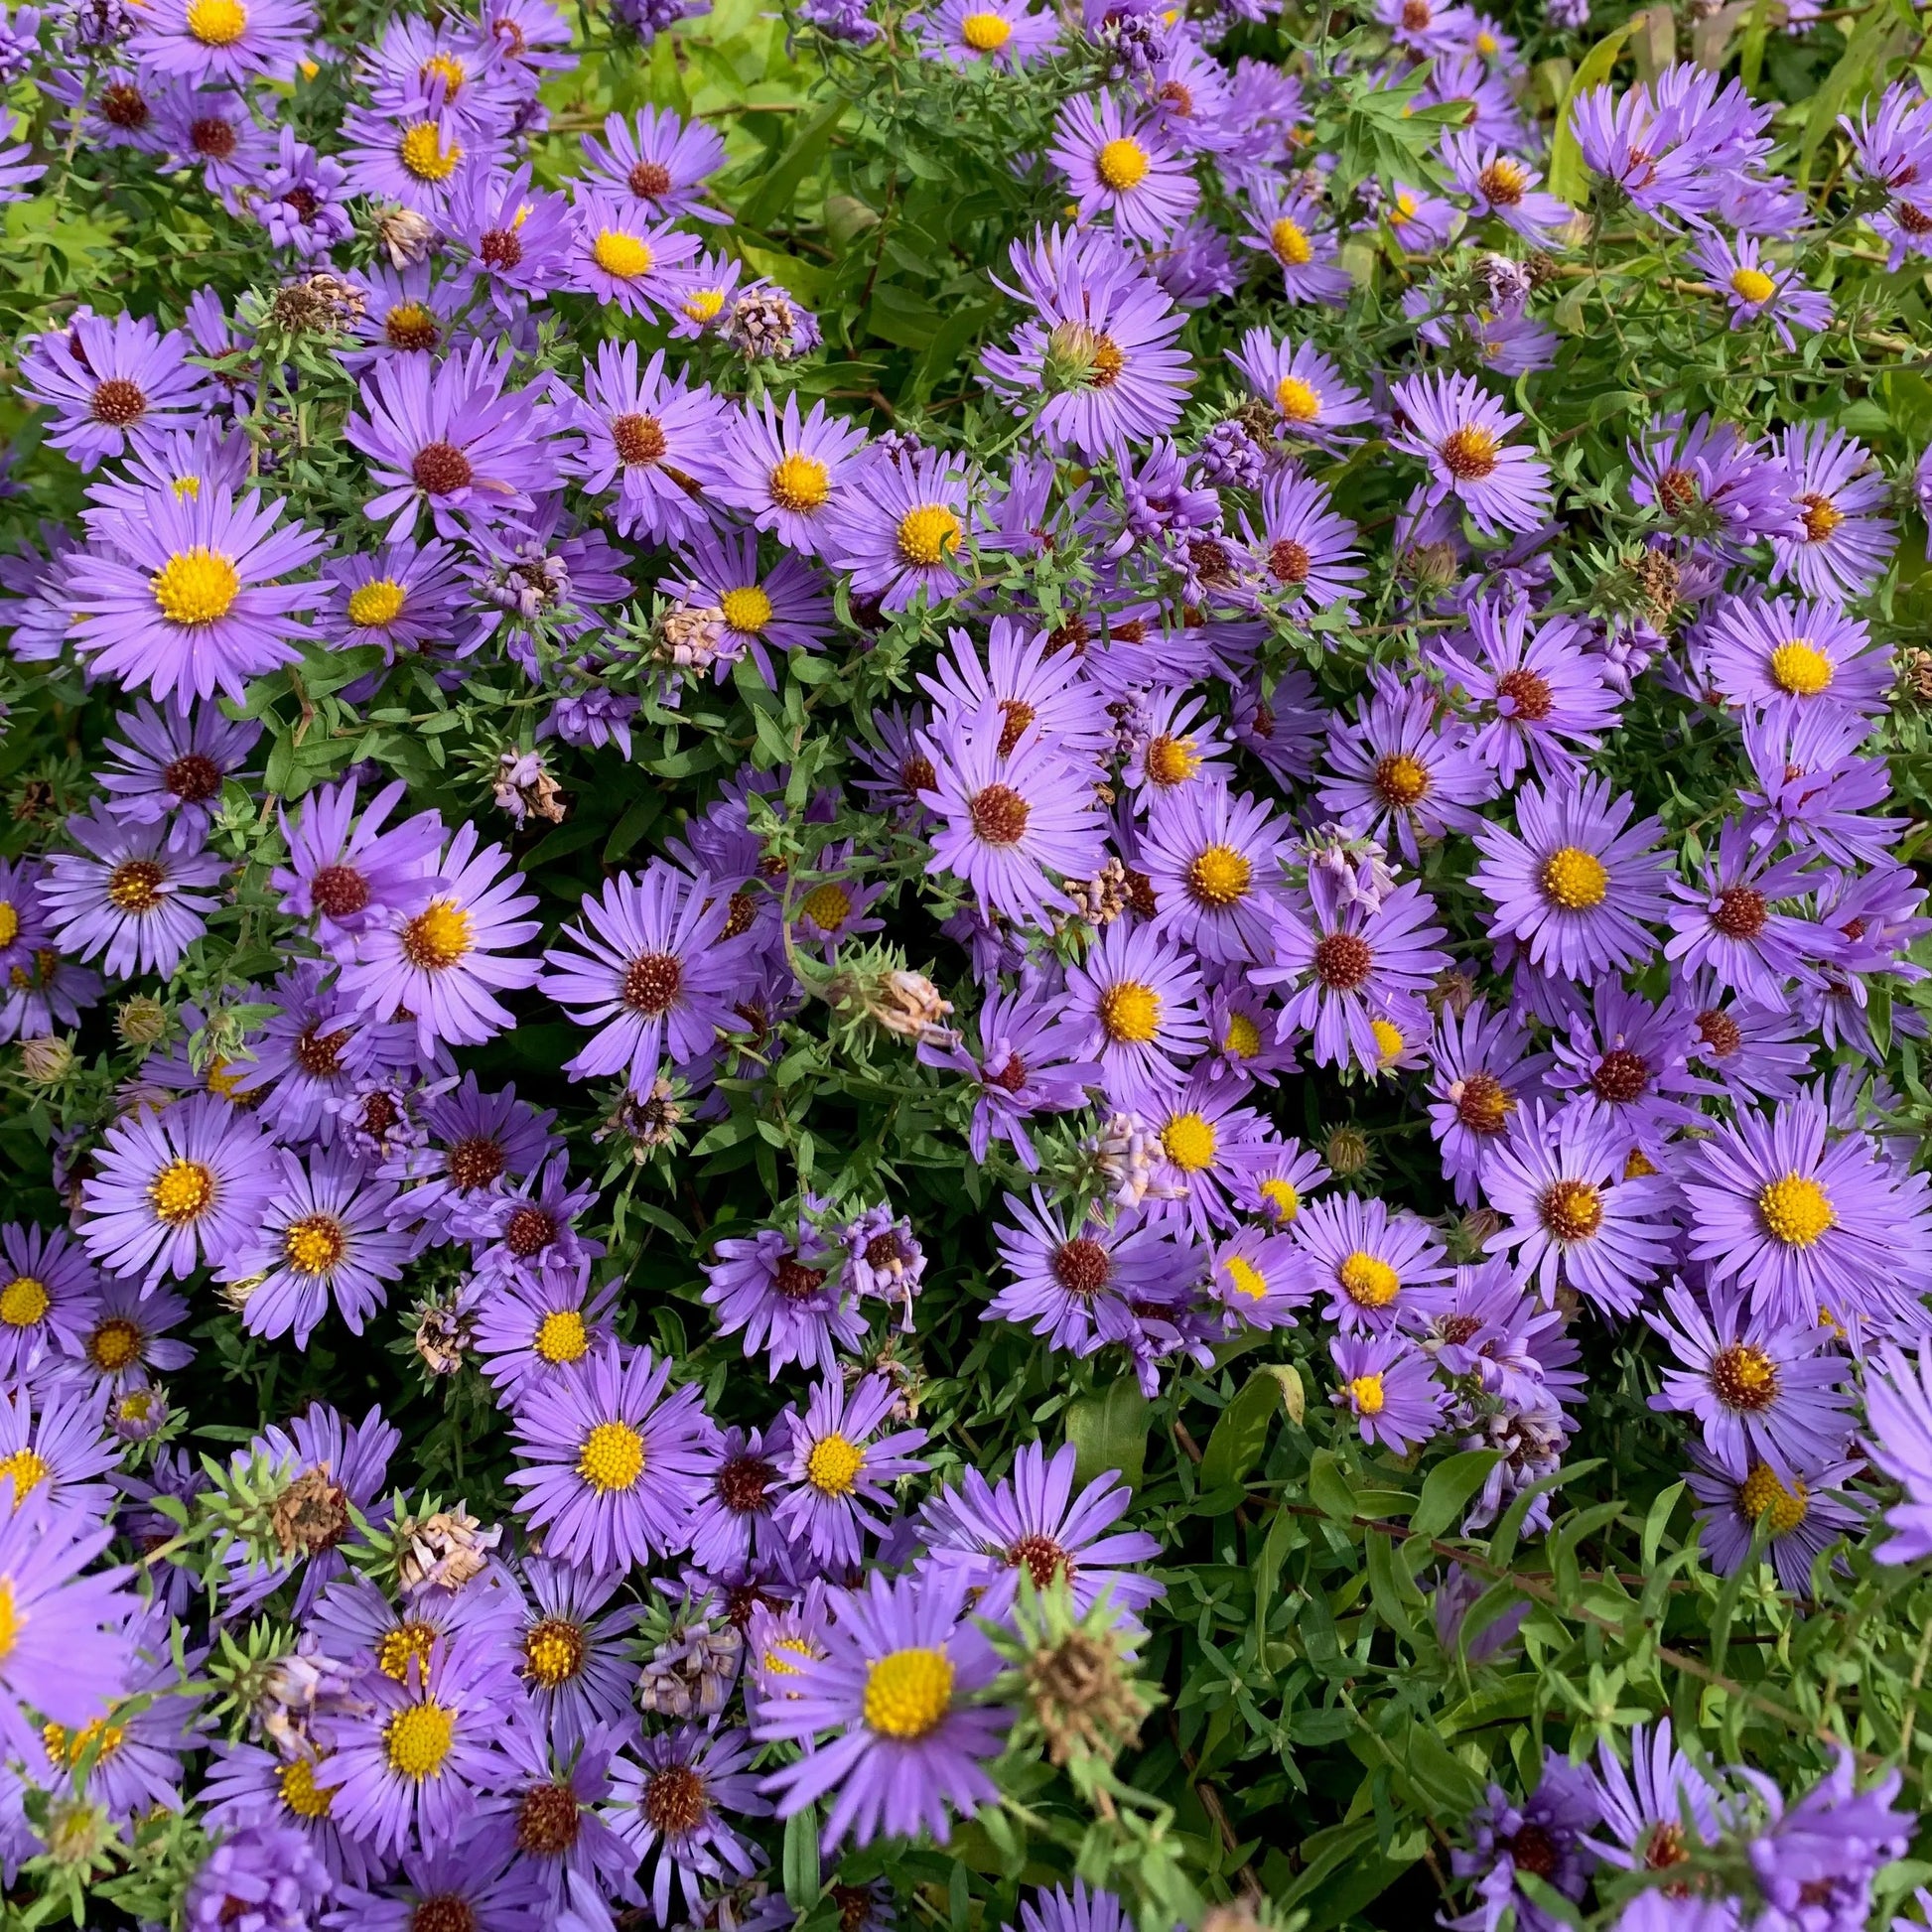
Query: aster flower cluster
x=882 y=881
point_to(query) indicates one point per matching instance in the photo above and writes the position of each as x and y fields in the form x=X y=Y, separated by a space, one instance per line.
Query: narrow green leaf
x=1449 y=1487
x=1240 y=1435
x=801 y=1875
x=1328 y=1490
x=1108 y=1430
x=1568 y=175
x=773 y=195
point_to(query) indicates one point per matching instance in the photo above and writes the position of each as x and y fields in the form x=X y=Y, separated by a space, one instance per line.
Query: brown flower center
x=1529 y=692
x=999 y=815
x=673 y=1800
x=1621 y=1076
x=1740 y=912
x=795 y=1281
x=639 y=440
x=340 y=892
x=1081 y=1266
x=475 y=1163
x=119 y=402
x=742 y=1482
x=528 y=1231
x=548 y=1820
x=650 y=181
x=1721 y=1032
x=651 y=983
x=1343 y=961
x=441 y=469
x=193 y=777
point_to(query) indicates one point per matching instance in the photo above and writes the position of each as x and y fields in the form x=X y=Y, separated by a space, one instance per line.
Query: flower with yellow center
x=216 y=23
x=1762 y=1491
x=1122 y=164
x=376 y=604
x=833 y=1463
x=23 y=1302
x=779 y=1658
x=1389 y=1043
x=1297 y=400
x=447 y=68
x=926 y=536
x=65 y=1749
x=182 y=1193
x=627 y=256
x=1801 y=668
x=423 y=154
x=826 y=907
x=1219 y=877
x=408 y=1643
x=1575 y=878
x=1242 y=1041
x=1245 y=1278
x=985 y=33
x=1368 y=1281
x=746 y=610
x=195 y=586
x=437 y=936
x=1752 y=284
x=1796 y=1210
x=1290 y=244
x=114 y=1344
x=562 y=1337
x=553 y=1651
x=702 y=305
x=419 y=1739
x=1366 y=1392
x=908 y=1693
x=799 y=483
x=1284 y=1198
x=1129 y=1013
x=302 y=1794
x=1190 y=1141
x=26 y=1470
x=612 y=1457
x=1172 y=761
x=8 y=923
x=314 y=1244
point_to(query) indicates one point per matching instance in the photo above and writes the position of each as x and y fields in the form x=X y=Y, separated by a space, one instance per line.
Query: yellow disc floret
x=183 y=1192
x=424 y=154
x=562 y=1337
x=927 y=536
x=376 y=603
x=625 y=256
x=1368 y=1281
x=908 y=1693
x=1575 y=878
x=745 y=608
x=1762 y=1490
x=1366 y=1392
x=1801 y=668
x=613 y=1457
x=1189 y=1142
x=1122 y=164
x=985 y=33
x=832 y=1467
x=419 y=1739
x=195 y=586
x=1796 y=1210
x=216 y=23
x=23 y=1302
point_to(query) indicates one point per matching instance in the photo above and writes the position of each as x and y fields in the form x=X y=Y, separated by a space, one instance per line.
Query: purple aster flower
x=1845 y=541
x=1728 y=926
x=788 y=473
x=1100 y=344
x=1795 y=653
x=528 y=1234
x=1449 y=422
x=248 y=1786
x=299 y=201
x=1574 y=1218
x=898 y=527
x=1543 y=1836
x=1261 y=1279
x=1122 y=168
x=1345 y=963
x=1803 y=1516
x=262 y=1877
x=1174 y=740
x=736 y=1527
x=1763 y=1390
x=445 y=963
x=405 y=599
x=1627 y=1062
x=1647 y=1811
x=174 y=1189
x=172 y=766
x=884 y=1260
x=1814 y=793
x=1403 y=763
x=464 y=1885
x=1801 y=1223
x=1004 y=34
x=322 y=1239
x=1308 y=552
x=612 y=1464
x=115 y=383
x=1282 y=224
x=1498 y=184
x=651 y=972
x=1814 y=1861
x=1755 y=1052
x=670 y=1806
x=1206 y=1142
x=126 y=1340
x=518 y=237
x=1481 y=1073
x=1577 y=882
x=128 y=894
x=1134 y=1007
x=658 y=160
x=895 y=1685
x=188 y=601
x=1710 y=482
x=1388 y=1387
x=50 y=1295
x=449 y=438
x=1755 y=288
x=758 y=609
x=476 y=1143
x=788 y=1293
x=1077 y=1286
x=526 y=1332
x=1032 y=1520
x=224 y=40
x=350 y=872
x=572 y=1651
x=1898 y=1411
x=404 y=312
x=53 y=1445
x=1378 y=1272
x=623 y=253
x=1213 y=862
x=415 y=149
x=650 y=439
x=837 y=1476
x=407 y=1766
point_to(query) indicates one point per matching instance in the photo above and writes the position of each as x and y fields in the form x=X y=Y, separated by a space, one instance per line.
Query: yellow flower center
x=799 y=483
x=1297 y=400
x=778 y=1664
x=10 y=1619
x=8 y=923
x=27 y=1470
x=1368 y=1281
x=23 y=1301
x=195 y=586
x=1219 y=877
x=447 y=68
x=1189 y=1142
x=613 y=1457
x=1366 y=1392
x=562 y=1337
x=375 y=604
x=1172 y=761
x=218 y=23
x=1763 y=1490
x=747 y=608
x=827 y=906
x=1800 y=667
x=907 y=1692
x=1284 y=1198
x=302 y=1794
x=554 y=1652
x=408 y=1643
x=623 y=255
x=314 y=1244
x=1122 y=164
x=65 y=1749
x=928 y=534
x=1573 y=1210
x=1401 y=779
x=1753 y=284
x=1637 y=1165
x=1289 y=241
x=183 y=1192
x=985 y=33
x=114 y=1344
x=422 y=152
x=1129 y=1013
x=832 y=1467
x=1388 y=1041
x=437 y=938
x=1796 y=1210
x=1243 y=1038
x=418 y=1739
x=1245 y=1278
x=702 y=305
x=1575 y=878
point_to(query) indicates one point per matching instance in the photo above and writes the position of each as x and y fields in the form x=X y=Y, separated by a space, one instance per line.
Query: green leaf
x=802 y=1884
x=1863 y=50
x=1241 y=1435
x=1329 y=1489
x=1568 y=175
x=1450 y=1485
x=1751 y=59
x=773 y=195
x=1108 y=1430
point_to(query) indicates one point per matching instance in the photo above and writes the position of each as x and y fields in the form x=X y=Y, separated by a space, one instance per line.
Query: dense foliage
x=964 y=966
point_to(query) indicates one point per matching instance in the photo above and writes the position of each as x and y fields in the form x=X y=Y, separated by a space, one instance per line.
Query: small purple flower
x=1450 y=423
x=837 y=1474
x=128 y=897
x=1121 y=167
x=1388 y=1387
x=115 y=384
